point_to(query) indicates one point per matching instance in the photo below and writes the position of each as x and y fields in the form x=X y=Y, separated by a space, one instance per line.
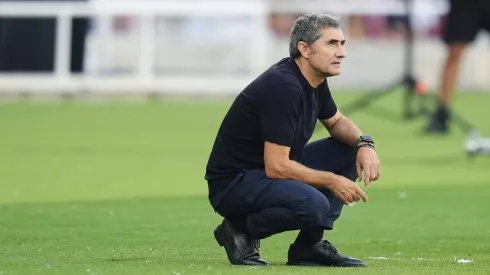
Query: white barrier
x=144 y=80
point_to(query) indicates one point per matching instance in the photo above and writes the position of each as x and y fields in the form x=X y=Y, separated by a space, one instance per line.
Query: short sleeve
x=327 y=107
x=279 y=110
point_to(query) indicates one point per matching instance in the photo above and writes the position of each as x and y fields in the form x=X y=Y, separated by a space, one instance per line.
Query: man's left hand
x=368 y=161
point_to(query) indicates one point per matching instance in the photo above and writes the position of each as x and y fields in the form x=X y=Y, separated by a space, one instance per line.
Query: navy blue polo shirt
x=279 y=106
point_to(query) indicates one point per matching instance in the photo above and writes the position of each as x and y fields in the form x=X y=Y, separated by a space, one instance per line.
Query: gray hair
x=307 y=29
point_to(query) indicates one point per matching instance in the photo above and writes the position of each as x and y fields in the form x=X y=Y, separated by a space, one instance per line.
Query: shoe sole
x=317 y=264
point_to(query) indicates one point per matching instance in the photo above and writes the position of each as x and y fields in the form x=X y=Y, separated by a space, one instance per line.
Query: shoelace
x=329 y=246
x=256 y=243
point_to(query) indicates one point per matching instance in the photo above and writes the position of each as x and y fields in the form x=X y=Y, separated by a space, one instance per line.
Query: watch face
x=366 y=138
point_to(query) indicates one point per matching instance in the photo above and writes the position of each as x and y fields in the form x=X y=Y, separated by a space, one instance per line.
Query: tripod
x=407 y=80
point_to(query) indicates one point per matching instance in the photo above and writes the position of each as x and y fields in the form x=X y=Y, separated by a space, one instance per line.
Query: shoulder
x=282 y=77
x=281 y=72
x=282 y=86
x=278 y=82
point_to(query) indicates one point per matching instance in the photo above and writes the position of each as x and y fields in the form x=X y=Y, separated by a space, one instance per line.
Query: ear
x=304 y=49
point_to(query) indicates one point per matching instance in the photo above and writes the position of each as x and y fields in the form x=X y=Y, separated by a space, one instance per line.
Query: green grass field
x=118 y=189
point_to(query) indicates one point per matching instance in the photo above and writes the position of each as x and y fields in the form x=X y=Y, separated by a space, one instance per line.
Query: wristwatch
x=366 y=139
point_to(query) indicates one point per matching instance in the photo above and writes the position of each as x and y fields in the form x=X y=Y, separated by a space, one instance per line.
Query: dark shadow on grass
x=133 y=259
x=118 y=260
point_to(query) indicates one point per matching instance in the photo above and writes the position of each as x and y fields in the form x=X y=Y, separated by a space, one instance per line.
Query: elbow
x=276 y=170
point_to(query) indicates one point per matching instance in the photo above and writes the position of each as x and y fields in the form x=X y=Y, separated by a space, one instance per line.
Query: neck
x=312 y=76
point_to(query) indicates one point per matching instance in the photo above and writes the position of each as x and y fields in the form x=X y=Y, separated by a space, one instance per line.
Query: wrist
x=333 y=181
x=363 y=139
x=365 y=145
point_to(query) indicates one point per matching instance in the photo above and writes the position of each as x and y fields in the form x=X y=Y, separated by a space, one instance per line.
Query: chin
x=333 y=72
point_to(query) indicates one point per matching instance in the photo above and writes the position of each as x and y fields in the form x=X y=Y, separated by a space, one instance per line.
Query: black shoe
x=437 y=126
x=321 y=254
x=240 y=248
x=439 y=121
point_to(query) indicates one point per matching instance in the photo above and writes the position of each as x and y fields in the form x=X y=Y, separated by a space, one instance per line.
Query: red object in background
x=421 y=88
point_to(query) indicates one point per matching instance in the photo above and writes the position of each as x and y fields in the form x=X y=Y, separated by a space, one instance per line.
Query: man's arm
x=342 y=128
x=279 y=166
x=339 y=126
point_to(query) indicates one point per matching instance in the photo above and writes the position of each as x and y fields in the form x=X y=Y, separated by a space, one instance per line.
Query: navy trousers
x=270 y=206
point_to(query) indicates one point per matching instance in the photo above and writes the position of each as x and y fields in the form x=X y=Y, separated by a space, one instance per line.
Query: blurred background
x=109 y=109
x=227 y=40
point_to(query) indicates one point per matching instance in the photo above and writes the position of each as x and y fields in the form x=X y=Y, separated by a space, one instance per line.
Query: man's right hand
x=347 y=191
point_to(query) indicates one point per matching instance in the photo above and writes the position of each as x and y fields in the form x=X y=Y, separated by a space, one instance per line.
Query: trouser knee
x=313 y=211
x=346 y=155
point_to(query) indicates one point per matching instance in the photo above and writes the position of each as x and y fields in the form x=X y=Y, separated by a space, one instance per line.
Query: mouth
x=337 y=63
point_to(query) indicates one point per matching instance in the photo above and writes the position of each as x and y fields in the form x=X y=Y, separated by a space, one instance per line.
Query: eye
x=335 y=42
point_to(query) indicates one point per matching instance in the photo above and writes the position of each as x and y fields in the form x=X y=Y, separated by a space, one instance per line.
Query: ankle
x=240 y=225
x=309 y=237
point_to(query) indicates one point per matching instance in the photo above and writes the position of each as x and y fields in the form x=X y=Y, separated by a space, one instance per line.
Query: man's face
x=328 y=52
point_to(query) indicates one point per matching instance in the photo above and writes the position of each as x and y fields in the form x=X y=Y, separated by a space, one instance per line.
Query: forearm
x=293 y=170
x=346 y=131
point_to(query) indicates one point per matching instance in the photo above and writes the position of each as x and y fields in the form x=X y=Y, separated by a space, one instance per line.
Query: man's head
x=318 y=39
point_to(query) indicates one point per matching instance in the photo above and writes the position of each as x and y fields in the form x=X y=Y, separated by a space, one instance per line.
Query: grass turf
x=119 y=189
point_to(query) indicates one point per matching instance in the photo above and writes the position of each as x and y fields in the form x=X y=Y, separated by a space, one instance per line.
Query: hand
x=368 y=162
x=347 y=191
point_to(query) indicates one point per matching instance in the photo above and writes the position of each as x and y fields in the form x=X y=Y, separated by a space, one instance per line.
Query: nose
x=341 y=52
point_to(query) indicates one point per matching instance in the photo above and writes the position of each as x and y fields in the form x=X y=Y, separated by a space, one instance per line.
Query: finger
x=367 y=175
x=359 y=171
x=350 y=196
x=374 y=171
x=362 y=194
x=343 y=198
x=348 y=201
x=379 y=171
x=353 y=198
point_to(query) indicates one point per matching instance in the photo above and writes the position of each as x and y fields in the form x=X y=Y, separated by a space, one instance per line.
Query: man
x=263 y=179
x=465 y=20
